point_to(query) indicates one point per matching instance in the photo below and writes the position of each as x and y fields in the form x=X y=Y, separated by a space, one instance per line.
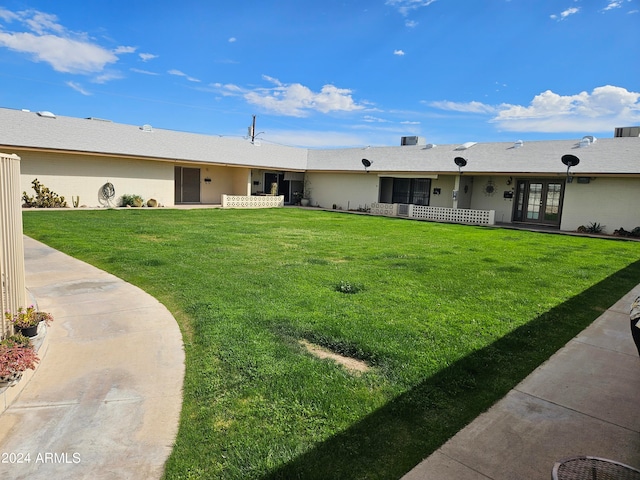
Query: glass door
x=539 y=201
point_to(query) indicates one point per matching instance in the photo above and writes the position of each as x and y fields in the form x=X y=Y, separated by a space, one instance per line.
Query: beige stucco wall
x=84 y=176
x=445 y=199
x=227 y=180
x=345 y=190
x=612 y=202
x=483 y=201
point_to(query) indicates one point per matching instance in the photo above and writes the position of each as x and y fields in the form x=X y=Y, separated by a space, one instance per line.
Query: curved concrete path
x=105 y=401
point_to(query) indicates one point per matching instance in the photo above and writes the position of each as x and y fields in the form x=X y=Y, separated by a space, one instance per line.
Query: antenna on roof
x=252 y=132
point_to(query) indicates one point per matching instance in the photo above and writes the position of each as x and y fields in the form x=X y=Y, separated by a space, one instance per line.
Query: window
x=411 y=190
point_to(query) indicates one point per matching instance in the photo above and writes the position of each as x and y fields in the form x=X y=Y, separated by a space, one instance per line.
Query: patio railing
x=440 y=214
x=13 y=294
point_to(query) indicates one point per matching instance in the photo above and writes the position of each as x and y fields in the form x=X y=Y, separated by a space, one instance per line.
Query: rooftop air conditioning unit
x=627 y=132
x=412 y=141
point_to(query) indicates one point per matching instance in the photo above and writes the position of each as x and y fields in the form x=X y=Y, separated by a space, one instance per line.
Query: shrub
x=595 y=227
x=621 y=232
x=16 y=356
x=44 y=198
x=131 y=200
x=28 y=317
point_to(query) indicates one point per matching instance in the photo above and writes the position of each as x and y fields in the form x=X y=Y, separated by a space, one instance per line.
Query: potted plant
x=16 y=355
x=306 y=196
x=27 y=320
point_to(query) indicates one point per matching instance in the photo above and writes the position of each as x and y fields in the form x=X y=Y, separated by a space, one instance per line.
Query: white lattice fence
x=440 y=214
x=12 y=281
x=253 y=201
x=455 y=215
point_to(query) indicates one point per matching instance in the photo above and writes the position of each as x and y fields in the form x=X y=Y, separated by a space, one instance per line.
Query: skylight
x=466 y=145
x=46 y=114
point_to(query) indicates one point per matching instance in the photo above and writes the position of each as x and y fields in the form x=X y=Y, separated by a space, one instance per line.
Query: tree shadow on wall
x=395 y=438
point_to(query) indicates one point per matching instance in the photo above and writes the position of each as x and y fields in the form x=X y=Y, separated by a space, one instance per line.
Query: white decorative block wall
x=441 y=214
x=253 y=201
x=387 y=209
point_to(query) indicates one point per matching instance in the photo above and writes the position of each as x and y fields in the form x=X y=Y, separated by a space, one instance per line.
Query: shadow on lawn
x=392 y=440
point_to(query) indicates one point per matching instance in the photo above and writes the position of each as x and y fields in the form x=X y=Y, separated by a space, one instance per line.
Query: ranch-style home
x=560 y=184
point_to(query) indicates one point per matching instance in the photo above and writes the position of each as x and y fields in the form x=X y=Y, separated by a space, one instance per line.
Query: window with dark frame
x=411 y=190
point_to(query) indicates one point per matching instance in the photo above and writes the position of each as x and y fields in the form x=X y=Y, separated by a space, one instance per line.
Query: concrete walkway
x=106 y=398
x=585 y=400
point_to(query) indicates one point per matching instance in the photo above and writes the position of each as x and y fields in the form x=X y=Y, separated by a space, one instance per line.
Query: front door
x=283 y=185
x=539 y=202
x=187 y=185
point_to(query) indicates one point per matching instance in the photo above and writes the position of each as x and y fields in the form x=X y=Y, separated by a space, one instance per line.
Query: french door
x=539 y=202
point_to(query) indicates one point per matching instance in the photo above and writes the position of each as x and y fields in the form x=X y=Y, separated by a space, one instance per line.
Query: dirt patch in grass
x=349 y=363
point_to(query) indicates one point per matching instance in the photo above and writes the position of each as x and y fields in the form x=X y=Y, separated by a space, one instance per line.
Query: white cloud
x=399 y=53
x=411 y=24
x=144 y=72
x=566 y=13
x=612 y=5
x=145 y=57
x=294 y=99
x=465 y=107
x=178 y=73
x=372 y=119
x=41 y=23
x=107 y=77
x=123 y=49
x=405 y=6
x=7 y=16
x=232 y=40
x=78 y=88
x=46 y=40
x=603 y=109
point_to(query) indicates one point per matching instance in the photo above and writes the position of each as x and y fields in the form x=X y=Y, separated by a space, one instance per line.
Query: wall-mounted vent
x=146 y=128
x=627 y=132
x=403 y=210
x=46 y=114
x=412 y=141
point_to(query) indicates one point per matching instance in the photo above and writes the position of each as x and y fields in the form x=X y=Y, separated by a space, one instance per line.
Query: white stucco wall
x=345 y=190
x=84 y=176
x=612 y=202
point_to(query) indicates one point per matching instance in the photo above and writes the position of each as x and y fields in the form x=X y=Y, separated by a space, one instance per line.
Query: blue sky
x=331 y=73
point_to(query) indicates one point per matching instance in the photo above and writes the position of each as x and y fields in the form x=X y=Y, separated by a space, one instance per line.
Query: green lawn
x=450 y=318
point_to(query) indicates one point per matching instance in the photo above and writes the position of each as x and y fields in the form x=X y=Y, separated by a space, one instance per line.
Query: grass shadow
x=392 y=440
